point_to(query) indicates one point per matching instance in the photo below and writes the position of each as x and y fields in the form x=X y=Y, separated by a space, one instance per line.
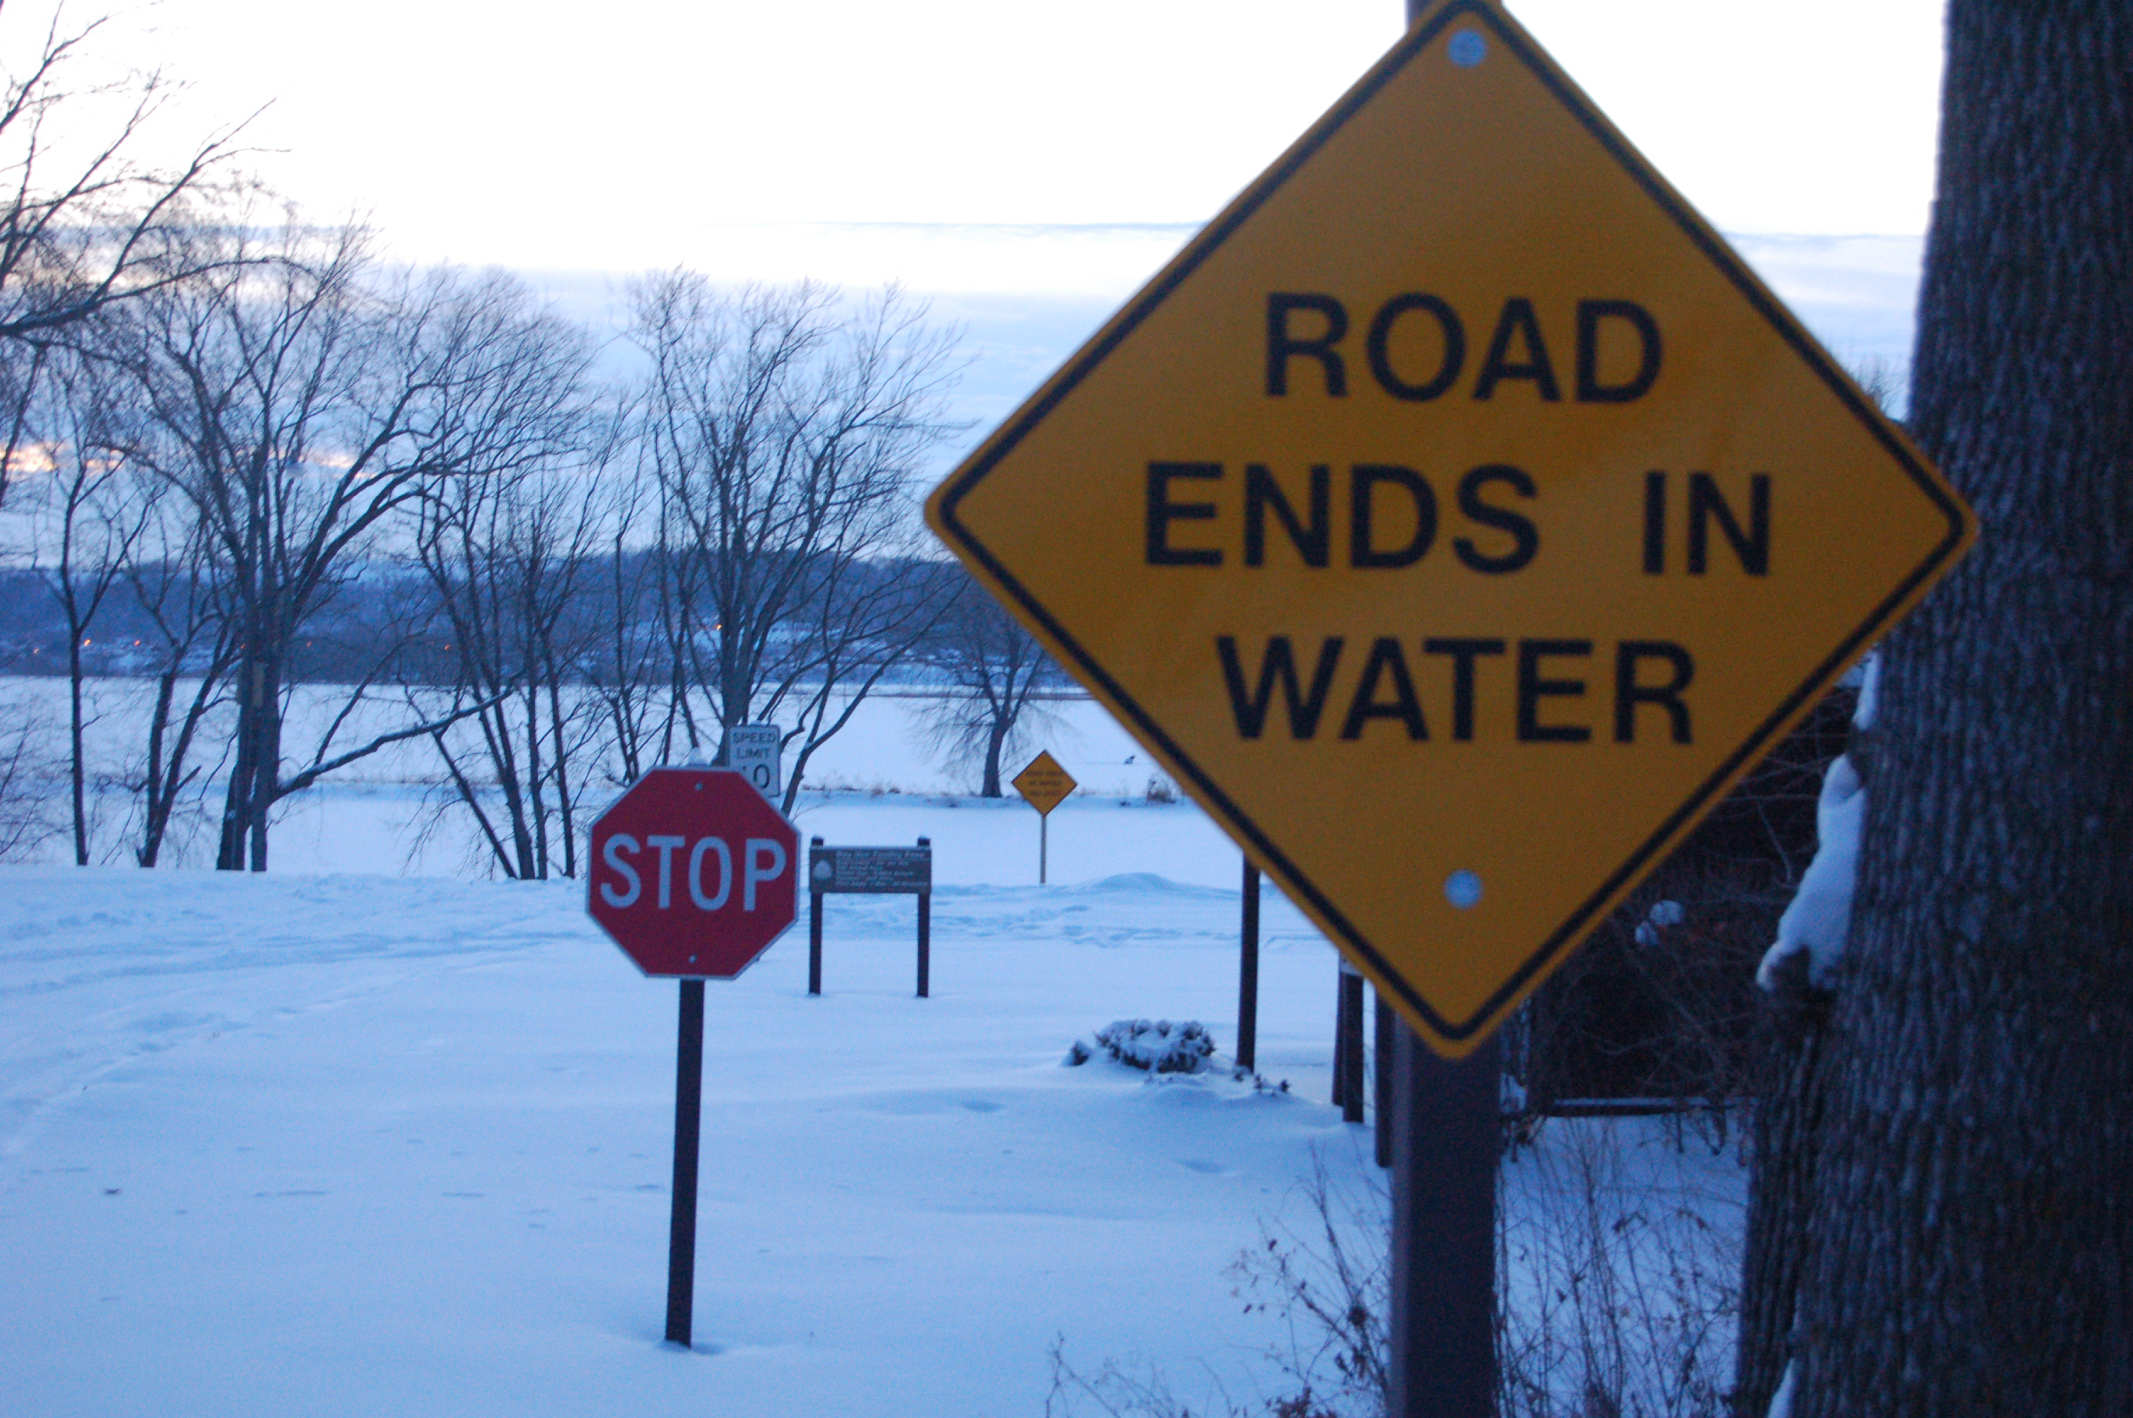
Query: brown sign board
x=871 y=870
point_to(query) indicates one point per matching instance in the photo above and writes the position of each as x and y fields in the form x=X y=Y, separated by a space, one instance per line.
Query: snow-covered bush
x=1157 y=1047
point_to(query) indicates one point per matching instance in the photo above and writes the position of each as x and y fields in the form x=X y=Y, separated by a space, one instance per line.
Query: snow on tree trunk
x=1971 y=1246
x=1818 y=919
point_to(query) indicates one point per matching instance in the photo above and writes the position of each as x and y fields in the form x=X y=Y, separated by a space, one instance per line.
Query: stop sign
x=694 y=873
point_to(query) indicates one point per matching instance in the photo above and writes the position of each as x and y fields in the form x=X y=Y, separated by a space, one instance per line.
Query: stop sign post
x=693 y=874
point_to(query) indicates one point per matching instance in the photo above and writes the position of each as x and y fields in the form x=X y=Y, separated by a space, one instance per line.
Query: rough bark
x=1782 y=1202
x=1973 y=1244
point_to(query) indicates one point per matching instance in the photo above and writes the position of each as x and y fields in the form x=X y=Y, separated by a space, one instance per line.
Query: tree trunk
x=167 y=774
x=995 y=742
x=255 y=773
x=155 y=816
x=536 y=799
x=266 y=762
x=237 y=798
x=77 y=766
x=1972 y=1249
x=566 y=825
x=1782 y=1204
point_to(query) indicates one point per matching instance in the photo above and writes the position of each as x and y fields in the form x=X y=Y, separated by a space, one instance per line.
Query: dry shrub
x=1617 y=1288
x=1618 y=1284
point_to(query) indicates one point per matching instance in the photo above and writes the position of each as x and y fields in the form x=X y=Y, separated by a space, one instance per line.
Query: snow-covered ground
x=343 y=1139
x=366 y=1145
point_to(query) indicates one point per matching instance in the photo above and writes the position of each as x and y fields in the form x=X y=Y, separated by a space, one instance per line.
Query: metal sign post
x=688 y=1127
x=1348 y=1084
x=1043 y=785
x=694 y=874
x=1444 y=1150
x=872 y=871
x=1248 y=973
x=1381 y=1075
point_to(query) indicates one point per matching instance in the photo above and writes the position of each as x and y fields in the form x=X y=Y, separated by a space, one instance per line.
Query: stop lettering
x=707 y=879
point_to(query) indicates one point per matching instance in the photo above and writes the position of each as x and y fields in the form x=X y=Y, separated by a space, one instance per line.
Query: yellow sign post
x=1456 y=518
x=1043 y=784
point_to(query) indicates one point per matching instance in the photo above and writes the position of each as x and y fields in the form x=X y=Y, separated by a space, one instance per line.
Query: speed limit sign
x=754 y=750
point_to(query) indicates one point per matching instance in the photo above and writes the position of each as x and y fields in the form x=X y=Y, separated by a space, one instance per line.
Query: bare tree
x=783 y=429
x=86 y=221
x=507 y=574
x=647 y=589
x=992 y=669
x=867 y=617
x=508 y=556
x=74 y=416
x=91 y=518
x=26 y=821
x=625 y=673
x=304 y=402
x=171 y=578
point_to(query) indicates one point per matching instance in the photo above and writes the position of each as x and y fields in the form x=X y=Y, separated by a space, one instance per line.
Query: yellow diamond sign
x=1044 y=784
x=1456 y=518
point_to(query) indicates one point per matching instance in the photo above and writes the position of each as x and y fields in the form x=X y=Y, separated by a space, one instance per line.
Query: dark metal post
x=925 y=927
x=1044 y=843
x=1348 y=1067
x=1381 y=1077
x=1444 y=1141
x=1444 y=1146
x=688 y=1119
x=1340 y=1037
x=814 y=929
x=1248 y=974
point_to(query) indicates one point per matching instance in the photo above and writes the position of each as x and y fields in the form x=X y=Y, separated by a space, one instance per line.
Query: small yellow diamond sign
x=1456 y=518
x=1044 y=784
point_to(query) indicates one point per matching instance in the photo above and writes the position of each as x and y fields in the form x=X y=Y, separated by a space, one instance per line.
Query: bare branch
x=317 y=771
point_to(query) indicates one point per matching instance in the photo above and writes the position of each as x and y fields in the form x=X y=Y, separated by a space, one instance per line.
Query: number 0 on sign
x=755 y=752
x=1456 y=518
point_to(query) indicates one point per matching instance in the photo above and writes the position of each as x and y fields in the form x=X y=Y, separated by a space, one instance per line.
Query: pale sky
x=624 y=133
